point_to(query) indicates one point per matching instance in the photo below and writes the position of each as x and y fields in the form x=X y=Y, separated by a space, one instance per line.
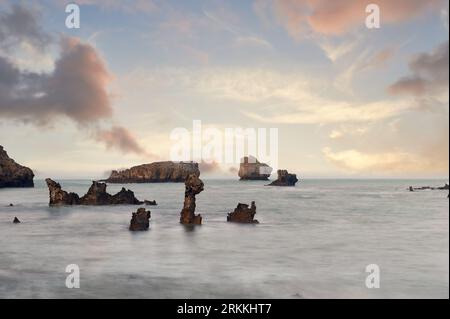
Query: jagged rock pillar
x=193 y=186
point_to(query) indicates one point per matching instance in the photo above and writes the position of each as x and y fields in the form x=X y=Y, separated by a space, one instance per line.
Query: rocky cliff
x=158 y=172
x=251 y=169
x=13 y=174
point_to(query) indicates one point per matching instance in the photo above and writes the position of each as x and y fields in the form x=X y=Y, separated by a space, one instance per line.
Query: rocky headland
x=284 y=179
x=13 y=174
x=158 y=172
x=140 y=220
x=251 y=169
x=193 y=187
x=96 y=195
x=243 y=214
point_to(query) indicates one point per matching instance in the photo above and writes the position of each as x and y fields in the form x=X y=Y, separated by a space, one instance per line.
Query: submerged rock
x=96 y=195
x=193 y=186
x=251 y=169
x=13 y=174
x=158 y=172
x=150 y=202
x=16 y=220
x=284 y=179
x=11 y=205
x=243 y=214
x=140 y=220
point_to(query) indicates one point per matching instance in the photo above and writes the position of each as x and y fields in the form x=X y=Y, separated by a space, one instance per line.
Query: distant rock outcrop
x=96 y=195
x=251 y=169
x=140 y=220
x=16 y=220
x=284 y=179
x=442 y=188
x=193 y=186
x=158 y=172
x=243 y=214
x=13 y=174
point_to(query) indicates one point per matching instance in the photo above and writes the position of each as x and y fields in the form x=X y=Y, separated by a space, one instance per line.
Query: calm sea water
x=313 y=241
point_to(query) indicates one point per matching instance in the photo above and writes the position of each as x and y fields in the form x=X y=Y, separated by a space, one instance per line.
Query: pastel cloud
x=120 y=138
x=429 y=74
x=76 y=88
x=339 y=16
x=385 y=162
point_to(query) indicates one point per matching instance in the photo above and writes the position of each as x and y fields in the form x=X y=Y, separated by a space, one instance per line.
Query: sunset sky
x=348 y=101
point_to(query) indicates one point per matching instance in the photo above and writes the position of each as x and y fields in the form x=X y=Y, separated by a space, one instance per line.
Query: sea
x=324 y=238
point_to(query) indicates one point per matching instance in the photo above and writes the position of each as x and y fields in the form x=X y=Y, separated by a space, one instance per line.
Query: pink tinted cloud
x=339 y=16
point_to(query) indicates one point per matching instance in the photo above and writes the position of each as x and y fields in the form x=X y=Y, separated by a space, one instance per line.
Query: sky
x=348 y=101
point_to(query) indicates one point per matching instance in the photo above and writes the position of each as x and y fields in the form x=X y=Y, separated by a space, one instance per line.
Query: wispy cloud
x=302 y=17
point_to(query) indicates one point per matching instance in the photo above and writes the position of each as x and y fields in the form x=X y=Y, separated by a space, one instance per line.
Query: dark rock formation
x=11 y=205
x=140 y=220
x=193 y=186
x=16 y=220
x=284 y=179
x=59 y=196
x=251 y=169
x=243 y=214
x=13 y=174
x=150 y=202
x=158 y=172
x=413 y=189
x=96 y=195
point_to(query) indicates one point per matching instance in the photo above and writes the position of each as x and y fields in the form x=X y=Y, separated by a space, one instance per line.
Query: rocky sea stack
x=243 y=214
x=140 y=220
x=251 y=169
x=158 y=172
x=193 y=186
x=284 y=179
x=96 y=195
x=13 y=174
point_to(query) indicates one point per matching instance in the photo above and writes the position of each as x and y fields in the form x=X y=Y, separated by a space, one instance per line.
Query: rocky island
x=243 y=214
x=284 y=179
x=13 y=174
x=96 y=195
x=251 y=169
x=193 y=186
x=158 y=172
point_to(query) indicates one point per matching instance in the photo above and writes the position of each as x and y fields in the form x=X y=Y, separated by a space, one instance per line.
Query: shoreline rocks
x=251 y=169
x=243 y=214
x=140 y=220
x=193 y=186
x=96 y=195
x=158 y=172
x=284 y=179
x=16 y=220
x=13 y=174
